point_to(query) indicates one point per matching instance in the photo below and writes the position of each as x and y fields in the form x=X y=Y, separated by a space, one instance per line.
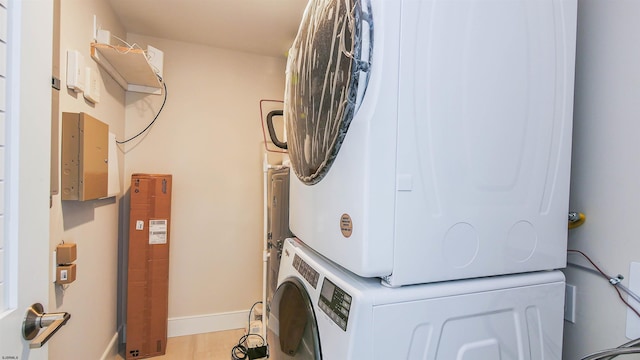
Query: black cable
x=239 y=351
x=164 y=84
x=251 y=310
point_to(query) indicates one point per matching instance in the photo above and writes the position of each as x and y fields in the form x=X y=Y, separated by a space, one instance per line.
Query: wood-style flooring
x=209 y=346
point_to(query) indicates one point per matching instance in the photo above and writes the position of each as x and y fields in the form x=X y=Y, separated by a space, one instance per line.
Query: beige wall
x=209 y=138
x=605 y=169
x=93 y=225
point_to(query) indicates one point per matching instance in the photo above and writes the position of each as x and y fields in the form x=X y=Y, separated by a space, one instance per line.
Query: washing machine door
x=292 y=330
x=327 y=74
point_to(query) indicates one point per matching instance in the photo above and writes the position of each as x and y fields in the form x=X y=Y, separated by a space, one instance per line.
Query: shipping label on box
x=157 y=232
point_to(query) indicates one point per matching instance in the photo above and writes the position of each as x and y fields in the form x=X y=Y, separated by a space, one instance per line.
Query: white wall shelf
x=128 y=67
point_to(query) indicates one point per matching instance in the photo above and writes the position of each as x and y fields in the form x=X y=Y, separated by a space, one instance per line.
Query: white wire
x=619 y=285
x=136 y=46
x=633 y=295
x=130 y=46
x=602 y=354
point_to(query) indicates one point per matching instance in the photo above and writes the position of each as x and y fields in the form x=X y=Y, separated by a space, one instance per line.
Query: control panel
x=306 y=271
x=335 y=302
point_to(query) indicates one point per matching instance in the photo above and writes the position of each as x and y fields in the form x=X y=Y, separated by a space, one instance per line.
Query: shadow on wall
x=76 y=213
x=123 y=260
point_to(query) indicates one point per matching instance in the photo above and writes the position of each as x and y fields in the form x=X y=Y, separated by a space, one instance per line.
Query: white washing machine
x=431 y=139
x=321 y=311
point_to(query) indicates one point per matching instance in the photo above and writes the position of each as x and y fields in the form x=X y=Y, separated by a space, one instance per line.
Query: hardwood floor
x=209 y=346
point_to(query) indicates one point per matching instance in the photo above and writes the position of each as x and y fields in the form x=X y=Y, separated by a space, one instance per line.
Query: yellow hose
x=576 y=219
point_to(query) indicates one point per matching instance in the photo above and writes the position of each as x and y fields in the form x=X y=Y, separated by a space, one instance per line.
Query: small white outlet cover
x=156 y=59
x=633 y=322
x=570 y=303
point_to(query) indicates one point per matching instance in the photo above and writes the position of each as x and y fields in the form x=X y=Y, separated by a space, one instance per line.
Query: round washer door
x=292 y=330
x=327 y=74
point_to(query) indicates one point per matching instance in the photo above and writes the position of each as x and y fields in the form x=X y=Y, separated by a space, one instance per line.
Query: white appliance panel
x=348 y=187
x=456 y=164
x=505 y=317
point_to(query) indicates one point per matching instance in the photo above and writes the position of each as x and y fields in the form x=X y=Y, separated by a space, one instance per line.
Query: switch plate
x=54 y=266
x=75 y=71
x=570 y=303
x=92 y=85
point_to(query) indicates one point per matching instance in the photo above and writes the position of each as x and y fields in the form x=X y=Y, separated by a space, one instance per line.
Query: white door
x=25 y=117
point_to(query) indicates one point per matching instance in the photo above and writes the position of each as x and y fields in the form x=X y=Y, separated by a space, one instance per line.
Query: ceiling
x=265 y=27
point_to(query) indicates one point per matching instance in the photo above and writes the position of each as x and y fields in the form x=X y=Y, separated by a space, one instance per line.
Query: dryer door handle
x=272 y=131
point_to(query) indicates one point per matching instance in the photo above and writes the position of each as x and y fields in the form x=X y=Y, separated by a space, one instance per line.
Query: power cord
x=164 y=101
x=608 y=354
x=251 y=311
x=241 y=352
x=614 y=281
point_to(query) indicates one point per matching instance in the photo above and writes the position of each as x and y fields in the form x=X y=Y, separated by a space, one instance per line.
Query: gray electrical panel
x=85 y=153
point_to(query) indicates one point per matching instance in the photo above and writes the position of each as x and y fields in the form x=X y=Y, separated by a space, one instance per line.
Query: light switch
x=75 y=71
x=92 y=90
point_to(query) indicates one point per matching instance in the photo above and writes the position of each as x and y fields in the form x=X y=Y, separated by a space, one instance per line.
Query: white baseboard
x=190 y=325
x=112 y=349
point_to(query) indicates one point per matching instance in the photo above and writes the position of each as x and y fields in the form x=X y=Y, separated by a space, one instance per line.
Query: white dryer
x=431 y=139
x=321 y=311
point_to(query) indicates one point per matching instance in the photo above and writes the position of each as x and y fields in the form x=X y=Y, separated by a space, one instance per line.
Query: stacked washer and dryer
x=430 y=145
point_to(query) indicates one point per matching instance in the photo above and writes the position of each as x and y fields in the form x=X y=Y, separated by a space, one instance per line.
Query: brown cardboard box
x=148 y=267
x=65 y=274
x=66 y=253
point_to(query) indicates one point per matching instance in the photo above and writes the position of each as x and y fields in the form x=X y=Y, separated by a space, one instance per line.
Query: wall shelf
x=128 y=67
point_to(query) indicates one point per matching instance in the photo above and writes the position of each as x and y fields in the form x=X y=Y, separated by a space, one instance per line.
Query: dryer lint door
x=327 y=73
x=292 y=330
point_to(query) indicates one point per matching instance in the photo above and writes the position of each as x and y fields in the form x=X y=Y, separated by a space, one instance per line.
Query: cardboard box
x=148 y=266
x=66 y=253
x=65 y=274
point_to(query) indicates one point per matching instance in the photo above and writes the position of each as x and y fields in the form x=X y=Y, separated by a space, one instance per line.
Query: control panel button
x=307 y=272
x=335 y=302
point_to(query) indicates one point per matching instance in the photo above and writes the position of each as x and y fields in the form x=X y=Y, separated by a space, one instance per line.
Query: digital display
x=336 y=303
x=327 y=290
